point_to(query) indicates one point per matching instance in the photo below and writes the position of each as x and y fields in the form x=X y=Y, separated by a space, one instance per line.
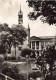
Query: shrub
x=12 y=71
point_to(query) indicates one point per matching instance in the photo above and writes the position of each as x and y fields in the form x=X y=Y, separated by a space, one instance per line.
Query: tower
x=20 y=17
x=28 y=35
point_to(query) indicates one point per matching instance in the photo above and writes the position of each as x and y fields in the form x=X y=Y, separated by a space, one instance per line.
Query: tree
x=12 y=36
x=12 y=71
x=4 y=32
x=2 y=49
x=18 y=32
x=26 y=52
x=54 y=40
x=48 y=57
x=44 y=8
x=18 y=35
x=35 y=75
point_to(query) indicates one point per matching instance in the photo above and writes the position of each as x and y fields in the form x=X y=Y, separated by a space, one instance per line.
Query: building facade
x=38 y=44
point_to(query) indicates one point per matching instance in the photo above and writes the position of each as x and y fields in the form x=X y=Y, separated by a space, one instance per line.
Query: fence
x=5 y=77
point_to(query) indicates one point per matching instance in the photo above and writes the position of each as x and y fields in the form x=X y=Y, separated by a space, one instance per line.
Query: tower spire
x=28 y=34
x=20 y=7
x=20 y=16
x=28 y=26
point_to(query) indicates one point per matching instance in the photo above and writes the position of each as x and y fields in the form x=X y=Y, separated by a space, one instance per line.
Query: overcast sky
x=9 y=14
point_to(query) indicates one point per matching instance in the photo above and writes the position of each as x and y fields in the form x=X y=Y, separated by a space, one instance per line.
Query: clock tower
x=20 y=17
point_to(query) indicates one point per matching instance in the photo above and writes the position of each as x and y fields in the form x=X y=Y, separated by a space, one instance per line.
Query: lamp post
x=27 y=59
x=26 y=53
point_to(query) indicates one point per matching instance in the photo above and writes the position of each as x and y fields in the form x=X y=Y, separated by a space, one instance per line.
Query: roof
x=34 y=38
x=47 y=37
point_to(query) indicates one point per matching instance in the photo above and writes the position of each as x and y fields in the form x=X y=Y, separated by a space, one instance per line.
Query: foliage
x=1 y=61
x=48 y=57
x=4 y=32
x=54 y=39
x=4 y=27
x=35 y=75
x=11 y=36
x=18 y=34
x=44 y=8
x=10 y=58
x=26 y=52
x=12 y=72
x=2 y=49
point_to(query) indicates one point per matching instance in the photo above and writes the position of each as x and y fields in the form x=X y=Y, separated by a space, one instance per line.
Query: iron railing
x=5 y=77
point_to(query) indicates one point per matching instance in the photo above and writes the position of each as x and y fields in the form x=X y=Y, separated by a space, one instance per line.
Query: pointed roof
x=20 y=8
x=20 y=11
x=28 y=26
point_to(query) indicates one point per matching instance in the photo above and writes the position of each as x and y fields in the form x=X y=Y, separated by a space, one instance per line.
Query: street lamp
x=27 y=59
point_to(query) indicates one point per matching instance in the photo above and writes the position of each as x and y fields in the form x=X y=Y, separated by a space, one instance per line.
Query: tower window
x=20 y=16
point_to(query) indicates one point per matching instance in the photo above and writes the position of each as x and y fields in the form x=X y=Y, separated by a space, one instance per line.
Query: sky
x=9 y=14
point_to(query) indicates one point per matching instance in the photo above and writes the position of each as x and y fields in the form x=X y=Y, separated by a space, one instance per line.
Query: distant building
x=37 y=44
x=20 y=17
x=20 y=22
